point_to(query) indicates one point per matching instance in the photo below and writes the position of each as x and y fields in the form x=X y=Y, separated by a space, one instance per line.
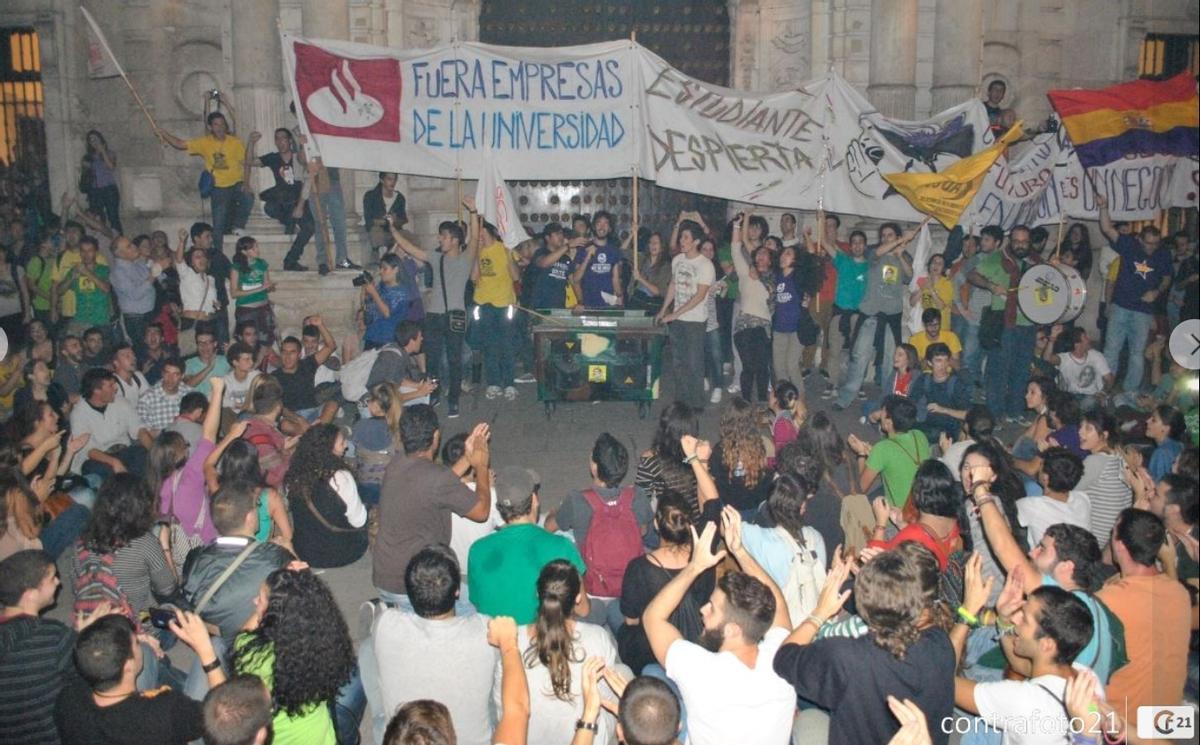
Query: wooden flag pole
x=458 y=188
x=1062 y=219
x=636 y=220
x=319 y=211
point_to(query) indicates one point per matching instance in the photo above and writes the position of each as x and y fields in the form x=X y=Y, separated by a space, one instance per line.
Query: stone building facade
x=910 y=57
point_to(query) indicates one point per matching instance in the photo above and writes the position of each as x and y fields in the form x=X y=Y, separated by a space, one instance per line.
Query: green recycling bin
x=598 y=355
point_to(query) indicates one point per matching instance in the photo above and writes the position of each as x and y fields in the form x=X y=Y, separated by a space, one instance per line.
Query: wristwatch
x=589 y=726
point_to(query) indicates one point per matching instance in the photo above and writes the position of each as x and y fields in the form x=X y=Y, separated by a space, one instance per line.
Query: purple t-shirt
x=1068 y=437
x=787 y=305
x=1140 y=272
x=185 y=495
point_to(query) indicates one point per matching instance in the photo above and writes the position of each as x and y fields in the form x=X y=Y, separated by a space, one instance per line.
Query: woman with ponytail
x=790 y=412
x=646 y=575
x=554 y=648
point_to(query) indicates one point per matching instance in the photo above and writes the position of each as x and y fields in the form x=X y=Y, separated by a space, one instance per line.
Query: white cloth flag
x=495 y=203
x=102 y=63
x=920 y=262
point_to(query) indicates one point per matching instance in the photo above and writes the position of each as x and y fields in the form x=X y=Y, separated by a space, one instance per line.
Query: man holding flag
x=498 y=232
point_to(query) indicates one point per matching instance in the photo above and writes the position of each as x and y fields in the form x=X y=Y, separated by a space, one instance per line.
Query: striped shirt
x=655 y=479
x=35 y=660
x=141 y=570
x=1104 y=483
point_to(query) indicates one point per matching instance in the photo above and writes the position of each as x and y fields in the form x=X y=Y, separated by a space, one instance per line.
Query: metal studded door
x=693 y=35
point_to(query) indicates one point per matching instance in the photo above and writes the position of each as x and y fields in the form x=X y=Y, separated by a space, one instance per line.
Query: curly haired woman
x=739 y=458
x=329 y=521
x=298 y=643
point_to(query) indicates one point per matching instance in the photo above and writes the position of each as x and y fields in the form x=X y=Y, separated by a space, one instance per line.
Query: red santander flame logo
x=344 y=97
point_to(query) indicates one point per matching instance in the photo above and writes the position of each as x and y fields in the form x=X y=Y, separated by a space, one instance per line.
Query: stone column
x=257 y=75
x=893 y=86
x=958 y=42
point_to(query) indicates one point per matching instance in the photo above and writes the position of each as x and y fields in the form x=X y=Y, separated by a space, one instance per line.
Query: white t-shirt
x=132 y=391
x=446 y=660
x=550 y=716
x=1039 y=513
x=728 y=702
x=689 y=275
x=118 y=424
x=1030 y=712
x=464 y=532
x=343 y=485
x=1083 y=377
x=237 y=390
x=196 y=291
x=953 y=457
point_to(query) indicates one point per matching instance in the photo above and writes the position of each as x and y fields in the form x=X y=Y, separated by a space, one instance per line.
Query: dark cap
x=514 y=484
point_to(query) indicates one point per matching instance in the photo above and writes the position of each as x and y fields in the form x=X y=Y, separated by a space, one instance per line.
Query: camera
x=161 y=617
x=363 y=279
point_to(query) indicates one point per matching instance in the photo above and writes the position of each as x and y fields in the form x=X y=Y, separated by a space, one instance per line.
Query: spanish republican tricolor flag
x=946 y=194
x=1142 y=117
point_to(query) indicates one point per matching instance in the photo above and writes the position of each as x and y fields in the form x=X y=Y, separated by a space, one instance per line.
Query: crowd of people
x=1013 y=559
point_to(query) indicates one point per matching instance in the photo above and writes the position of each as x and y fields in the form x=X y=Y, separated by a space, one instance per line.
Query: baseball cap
x=514 y=485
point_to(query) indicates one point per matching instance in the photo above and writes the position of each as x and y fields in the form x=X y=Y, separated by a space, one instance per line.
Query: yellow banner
x=945 y=195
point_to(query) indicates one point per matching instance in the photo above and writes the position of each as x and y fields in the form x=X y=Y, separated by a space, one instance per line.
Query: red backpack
x=613 y=540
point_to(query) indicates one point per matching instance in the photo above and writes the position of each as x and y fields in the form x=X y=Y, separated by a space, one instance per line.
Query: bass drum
x=1051 y=294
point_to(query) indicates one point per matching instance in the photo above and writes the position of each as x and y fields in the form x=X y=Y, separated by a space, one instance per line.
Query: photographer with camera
x=385 y=303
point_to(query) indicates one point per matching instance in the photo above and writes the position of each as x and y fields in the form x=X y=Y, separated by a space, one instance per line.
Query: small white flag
x=102 y=63
x=920 y=265
x=495 y=203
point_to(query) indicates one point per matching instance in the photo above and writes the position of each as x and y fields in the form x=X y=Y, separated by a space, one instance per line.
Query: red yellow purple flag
x=1141 y=117
x=946 y=194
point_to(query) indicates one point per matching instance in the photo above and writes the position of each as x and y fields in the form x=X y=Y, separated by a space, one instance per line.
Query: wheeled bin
x=597 y=355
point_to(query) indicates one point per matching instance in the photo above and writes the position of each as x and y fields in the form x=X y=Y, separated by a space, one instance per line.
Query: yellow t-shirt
x=13 y=366
x=67 y=260
x=225 y=158
x=920 y=340
x=944 y=289
x=495 y=286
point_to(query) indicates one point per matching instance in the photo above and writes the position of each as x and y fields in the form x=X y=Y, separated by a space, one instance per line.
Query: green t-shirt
x=896 y=460
x=40 y=271
x=992 y=268
x=503 y=568
x=93 y=307
x=312 y=727
x=255 y=279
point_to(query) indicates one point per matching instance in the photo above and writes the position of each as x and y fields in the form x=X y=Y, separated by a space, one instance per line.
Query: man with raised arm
x=729 y=688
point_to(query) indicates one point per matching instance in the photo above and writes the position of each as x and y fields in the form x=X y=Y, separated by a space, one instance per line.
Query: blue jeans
x=441 y=342
x=230 y=209
x=1133 y=328
x=495 y=330
x=348 y=709
x=135 y=330
x=61 y=532
x=712 y=358
x=1005 y=384
x=861 y=356
x=972 y=355
x=335 y=213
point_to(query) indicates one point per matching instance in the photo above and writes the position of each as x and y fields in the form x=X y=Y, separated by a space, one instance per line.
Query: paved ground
x=558 y=447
